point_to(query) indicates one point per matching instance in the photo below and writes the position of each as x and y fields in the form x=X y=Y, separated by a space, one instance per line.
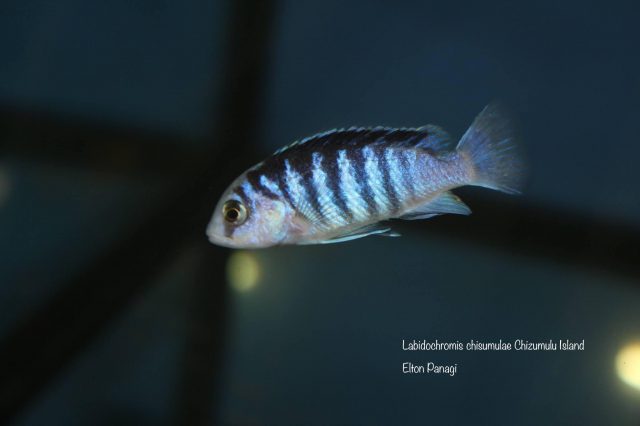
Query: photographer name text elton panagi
x=429 y=368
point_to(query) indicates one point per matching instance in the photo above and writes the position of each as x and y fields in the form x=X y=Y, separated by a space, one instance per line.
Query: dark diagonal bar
x=253 y=23
x=38 y=135
x=513 y=224
x=48 y=341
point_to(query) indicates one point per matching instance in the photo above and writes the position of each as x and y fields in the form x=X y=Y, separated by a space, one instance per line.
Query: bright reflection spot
x=243 y=271
x=628 y=364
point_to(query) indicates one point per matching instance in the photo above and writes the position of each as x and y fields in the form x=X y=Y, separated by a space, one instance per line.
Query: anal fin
x=447 y=202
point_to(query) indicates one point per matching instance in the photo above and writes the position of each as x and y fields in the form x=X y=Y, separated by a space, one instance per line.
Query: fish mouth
x=217 y=239
x=220 y=240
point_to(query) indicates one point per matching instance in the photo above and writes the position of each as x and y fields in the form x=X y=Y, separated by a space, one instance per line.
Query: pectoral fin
x=444 y=203
x=373 y=229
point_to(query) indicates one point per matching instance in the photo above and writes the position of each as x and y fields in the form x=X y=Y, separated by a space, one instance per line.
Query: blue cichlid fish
x=339 y=185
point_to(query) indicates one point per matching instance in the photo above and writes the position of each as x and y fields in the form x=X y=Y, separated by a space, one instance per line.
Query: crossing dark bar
x=513 y=224
x=48 y=341
x=38 y=135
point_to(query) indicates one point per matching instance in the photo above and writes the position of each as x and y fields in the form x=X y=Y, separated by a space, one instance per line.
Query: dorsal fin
x=438 y=139
x=426 y=137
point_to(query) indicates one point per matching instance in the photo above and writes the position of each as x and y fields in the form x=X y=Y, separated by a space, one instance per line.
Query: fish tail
x=490 y=147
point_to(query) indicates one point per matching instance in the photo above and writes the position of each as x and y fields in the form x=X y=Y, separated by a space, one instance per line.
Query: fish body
x=342 y=184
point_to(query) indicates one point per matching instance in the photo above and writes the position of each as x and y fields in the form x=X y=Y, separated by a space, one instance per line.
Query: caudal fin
x=489 y=144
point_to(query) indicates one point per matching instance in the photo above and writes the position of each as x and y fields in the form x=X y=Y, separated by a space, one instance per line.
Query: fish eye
x=234 y=212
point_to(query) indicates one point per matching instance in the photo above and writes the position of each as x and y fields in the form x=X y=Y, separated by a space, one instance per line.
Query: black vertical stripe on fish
x=366 y=192
x=305 y=202
x=306 y=180
x=282 y=183
x=407 y=178
x=350 y=186
x=389 y=189
x=239 y=190
x=254 y=179
x=332 y=171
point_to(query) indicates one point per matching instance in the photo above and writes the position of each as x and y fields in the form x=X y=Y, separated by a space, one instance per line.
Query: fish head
x=248 y=218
